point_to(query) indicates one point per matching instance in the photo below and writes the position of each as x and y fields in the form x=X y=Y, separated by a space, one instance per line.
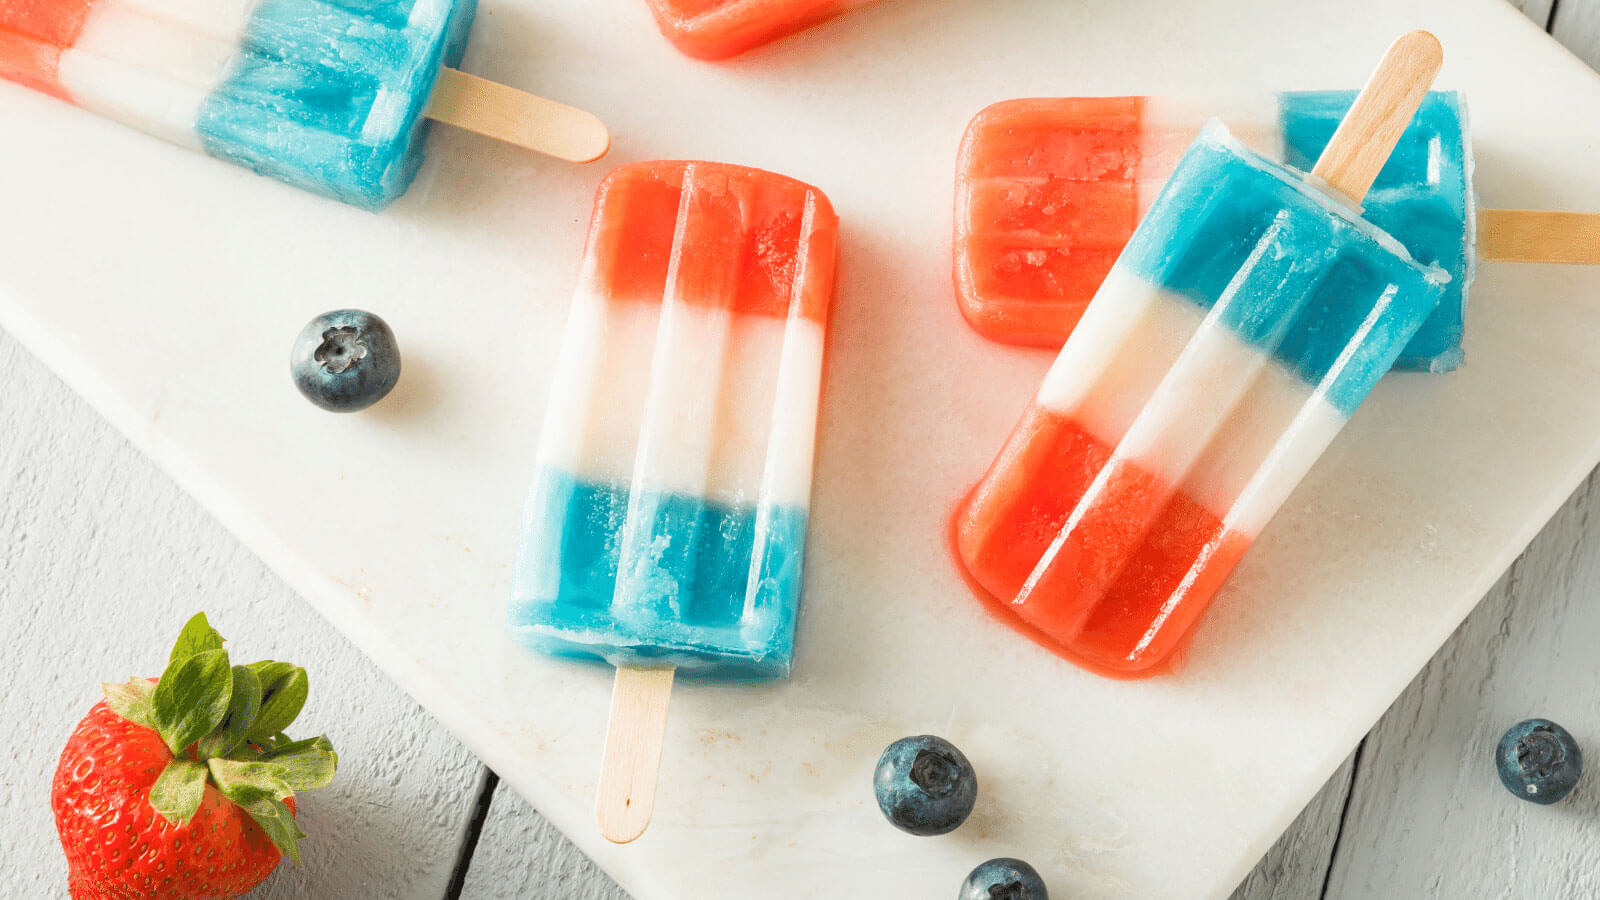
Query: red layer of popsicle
x=1050 y=198
x=715 y=29
x=32 y=35
x=1139 y=565
x=757 y=216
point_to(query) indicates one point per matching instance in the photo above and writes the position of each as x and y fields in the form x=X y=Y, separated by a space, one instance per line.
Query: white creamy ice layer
x=685 y=398
x=152 y=63
x=1189 y=401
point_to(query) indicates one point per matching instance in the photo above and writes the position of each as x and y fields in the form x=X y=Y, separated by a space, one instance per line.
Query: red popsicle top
x=749 y=240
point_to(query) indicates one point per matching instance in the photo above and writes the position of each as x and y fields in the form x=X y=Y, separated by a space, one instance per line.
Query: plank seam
x=469 y=840
x=1344 y=813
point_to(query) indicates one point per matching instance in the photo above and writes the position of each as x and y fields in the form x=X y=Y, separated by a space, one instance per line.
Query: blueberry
x=1004 y=879
x=346 y=360
x=925 y=785
x=1539 y=761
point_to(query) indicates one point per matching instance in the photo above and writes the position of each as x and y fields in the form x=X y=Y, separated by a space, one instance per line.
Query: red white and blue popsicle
x=332 y=97
x=665 y=527
x=1248 y=316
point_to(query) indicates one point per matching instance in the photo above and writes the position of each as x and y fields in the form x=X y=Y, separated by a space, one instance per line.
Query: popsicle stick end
x=1539 y=236
x=1362 y=143
x=507 y=114
x=634 y=735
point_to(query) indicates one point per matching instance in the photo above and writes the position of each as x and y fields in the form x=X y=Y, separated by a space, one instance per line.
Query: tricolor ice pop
x=666 y=522
x=332 y=97
x=1248 y=315
x=1049 y=191
x=715 y=29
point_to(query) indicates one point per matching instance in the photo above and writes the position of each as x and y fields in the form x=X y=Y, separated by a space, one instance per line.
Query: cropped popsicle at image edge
x=333 y=97
x=717 y=29
x=1248 y=316
x=665 y=526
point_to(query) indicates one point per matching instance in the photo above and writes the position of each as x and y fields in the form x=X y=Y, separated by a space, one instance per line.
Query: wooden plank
x=1428 y=817
x=1576 y=24
x=1297 y=865
x=101 y=560
x=521 y=855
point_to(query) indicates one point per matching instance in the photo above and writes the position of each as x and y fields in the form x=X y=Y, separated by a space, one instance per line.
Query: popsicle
x=665 y=526
x=1249 y=314
x=715 y=29
x=1049 y=191
x=331 y=96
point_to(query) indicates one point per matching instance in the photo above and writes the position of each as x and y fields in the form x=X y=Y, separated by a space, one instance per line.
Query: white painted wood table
x=102 y=556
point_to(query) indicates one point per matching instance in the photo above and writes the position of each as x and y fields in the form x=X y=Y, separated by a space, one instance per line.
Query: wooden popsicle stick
x=1366 y=137
x=634 y=735
x=507 y=114
x=1538 y=236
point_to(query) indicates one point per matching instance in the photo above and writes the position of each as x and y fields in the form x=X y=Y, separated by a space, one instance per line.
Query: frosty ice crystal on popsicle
x=1049 y=191
x=329 y=95
x=1250 y=313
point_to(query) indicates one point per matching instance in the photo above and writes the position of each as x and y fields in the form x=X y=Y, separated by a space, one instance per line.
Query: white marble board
x=166 y=288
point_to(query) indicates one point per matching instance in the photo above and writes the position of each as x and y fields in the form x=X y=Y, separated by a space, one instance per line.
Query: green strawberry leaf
x=197 y=637
x=177 y=793
x=243 y=782
x=281 y=744
x=283 y=694
x=307 y=764
x=276 y=820
x=132 y=701
x=243 y=707
x=259 y=789
x=192 y=698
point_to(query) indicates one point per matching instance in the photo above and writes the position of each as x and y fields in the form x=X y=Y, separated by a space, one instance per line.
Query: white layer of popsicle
x=1119 y=379
x=152 y=63
x=733 y=412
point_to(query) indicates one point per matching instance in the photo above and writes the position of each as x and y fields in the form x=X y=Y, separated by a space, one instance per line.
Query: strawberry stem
x=224 y=726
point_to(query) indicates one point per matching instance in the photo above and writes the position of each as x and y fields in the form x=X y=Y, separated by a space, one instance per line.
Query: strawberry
x=182 y=787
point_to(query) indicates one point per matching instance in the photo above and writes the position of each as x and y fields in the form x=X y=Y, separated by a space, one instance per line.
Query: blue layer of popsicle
x=1423 y=197
x=329 y=94
x=709 y=587
x=1333 y=298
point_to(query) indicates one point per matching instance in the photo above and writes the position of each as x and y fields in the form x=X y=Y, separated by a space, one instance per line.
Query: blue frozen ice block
x=1423 y=197
x=1349 y=296
x=329 y=94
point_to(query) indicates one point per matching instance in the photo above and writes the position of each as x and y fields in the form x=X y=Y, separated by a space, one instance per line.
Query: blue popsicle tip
x=712 y=588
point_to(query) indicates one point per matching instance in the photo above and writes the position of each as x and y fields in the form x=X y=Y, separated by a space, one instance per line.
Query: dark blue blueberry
x=925 y=785
x=346 y=360
x=1004 y=879
x=1539 y=761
